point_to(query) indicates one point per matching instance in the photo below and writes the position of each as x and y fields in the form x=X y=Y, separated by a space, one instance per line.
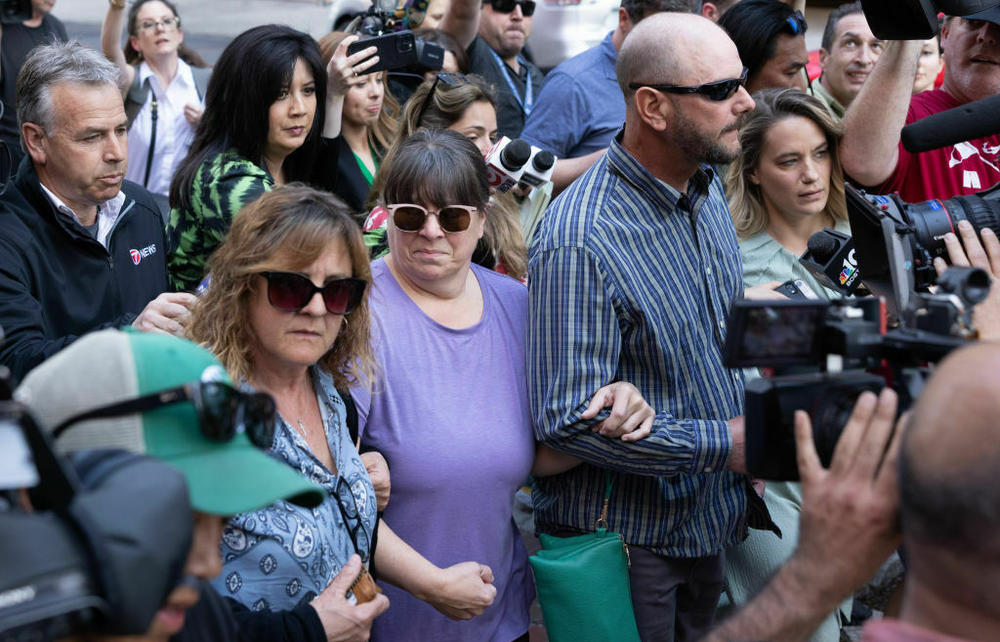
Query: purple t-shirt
x=450 y=413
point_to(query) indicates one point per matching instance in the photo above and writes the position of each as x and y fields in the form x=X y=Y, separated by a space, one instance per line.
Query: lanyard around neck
x=529 y=90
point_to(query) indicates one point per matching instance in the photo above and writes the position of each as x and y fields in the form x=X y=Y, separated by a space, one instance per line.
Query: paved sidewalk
x=216 y=17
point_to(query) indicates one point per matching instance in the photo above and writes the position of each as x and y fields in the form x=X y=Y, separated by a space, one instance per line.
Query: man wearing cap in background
x=871 y=152
x=193 y=419
x=80 y=247
x=494 y=33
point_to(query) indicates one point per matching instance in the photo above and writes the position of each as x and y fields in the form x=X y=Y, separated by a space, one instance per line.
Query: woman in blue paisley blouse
x=261 y=316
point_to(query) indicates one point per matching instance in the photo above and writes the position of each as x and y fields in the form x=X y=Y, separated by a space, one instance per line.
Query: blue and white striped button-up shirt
x=632 y=281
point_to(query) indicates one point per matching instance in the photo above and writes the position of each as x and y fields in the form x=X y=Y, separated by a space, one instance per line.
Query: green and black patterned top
x=221 y=187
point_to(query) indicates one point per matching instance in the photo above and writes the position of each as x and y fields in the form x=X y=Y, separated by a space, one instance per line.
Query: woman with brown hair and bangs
x=263 y=319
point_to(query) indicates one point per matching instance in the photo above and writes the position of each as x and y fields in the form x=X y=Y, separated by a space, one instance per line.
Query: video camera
x=101 y=545
x=386 y=25
x=826 y=353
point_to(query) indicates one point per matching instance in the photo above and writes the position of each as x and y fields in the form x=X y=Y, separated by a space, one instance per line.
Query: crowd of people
x=353 y=457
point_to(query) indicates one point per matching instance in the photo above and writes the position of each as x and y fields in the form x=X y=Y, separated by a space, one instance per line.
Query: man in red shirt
x=871 y=152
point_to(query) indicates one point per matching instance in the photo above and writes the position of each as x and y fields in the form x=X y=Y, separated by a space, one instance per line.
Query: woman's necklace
x=302 y=429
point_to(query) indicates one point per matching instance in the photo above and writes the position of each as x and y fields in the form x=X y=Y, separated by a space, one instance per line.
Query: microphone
x=505 y=163
x=539 y=170
x=974 y=120
x=830 y=258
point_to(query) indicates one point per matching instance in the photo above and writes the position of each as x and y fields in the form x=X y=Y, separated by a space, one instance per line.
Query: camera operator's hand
x=738 y=455
x=848 y=526
x=343 y=621
x=969 y=251
x=343 y=70
x=631 y=418
x=849 y=514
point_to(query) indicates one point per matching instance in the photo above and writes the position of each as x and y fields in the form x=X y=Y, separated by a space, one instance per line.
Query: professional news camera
x=102 y=545
x=839 y=349
x=896 y=244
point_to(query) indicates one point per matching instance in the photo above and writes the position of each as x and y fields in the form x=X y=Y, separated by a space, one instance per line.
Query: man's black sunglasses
x=718 y=90
x=507 y=6
x=291 y=291
x=223 y=411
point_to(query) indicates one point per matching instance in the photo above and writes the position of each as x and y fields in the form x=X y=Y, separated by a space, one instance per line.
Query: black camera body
x=102 y=545
x=771 y=406
x=826 y=353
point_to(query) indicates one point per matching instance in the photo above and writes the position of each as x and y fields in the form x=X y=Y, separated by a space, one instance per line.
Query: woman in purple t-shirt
x=450 y=409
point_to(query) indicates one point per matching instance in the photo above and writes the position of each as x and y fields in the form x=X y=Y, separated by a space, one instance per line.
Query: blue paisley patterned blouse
x=276 y=557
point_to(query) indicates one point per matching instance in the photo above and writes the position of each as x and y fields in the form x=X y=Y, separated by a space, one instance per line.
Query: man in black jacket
x=80 y=247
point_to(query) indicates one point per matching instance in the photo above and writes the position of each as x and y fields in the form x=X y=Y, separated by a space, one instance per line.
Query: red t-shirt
x=965 y=168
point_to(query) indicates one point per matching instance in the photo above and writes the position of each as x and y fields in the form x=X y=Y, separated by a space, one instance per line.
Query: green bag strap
x=602 y=521
x=601 y=526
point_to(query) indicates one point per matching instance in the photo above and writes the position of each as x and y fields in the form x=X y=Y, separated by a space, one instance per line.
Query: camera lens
x=933 y=219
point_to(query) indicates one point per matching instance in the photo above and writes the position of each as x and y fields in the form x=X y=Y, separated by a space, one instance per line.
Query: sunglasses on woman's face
x=291 y=292
x=223 y=411
x=409 y=217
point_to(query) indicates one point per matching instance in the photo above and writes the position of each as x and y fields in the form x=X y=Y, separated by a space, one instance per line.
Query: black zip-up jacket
x=57 y=282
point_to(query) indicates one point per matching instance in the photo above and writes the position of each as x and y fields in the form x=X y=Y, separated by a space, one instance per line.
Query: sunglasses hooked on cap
x=223 y=411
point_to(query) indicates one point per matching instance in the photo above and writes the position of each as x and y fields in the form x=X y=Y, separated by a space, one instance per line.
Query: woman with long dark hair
x=159 y=79
x=260 y=128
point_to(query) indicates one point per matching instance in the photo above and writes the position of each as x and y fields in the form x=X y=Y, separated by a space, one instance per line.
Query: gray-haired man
x=80 y=247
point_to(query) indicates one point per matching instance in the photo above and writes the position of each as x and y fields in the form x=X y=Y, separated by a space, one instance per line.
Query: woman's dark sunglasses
x=290 y=291
x=409 y=217
x=718 y=90
x=507 y=6
x=223 y=411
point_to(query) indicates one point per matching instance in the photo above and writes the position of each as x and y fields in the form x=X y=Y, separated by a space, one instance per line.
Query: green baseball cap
x=111 y=366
